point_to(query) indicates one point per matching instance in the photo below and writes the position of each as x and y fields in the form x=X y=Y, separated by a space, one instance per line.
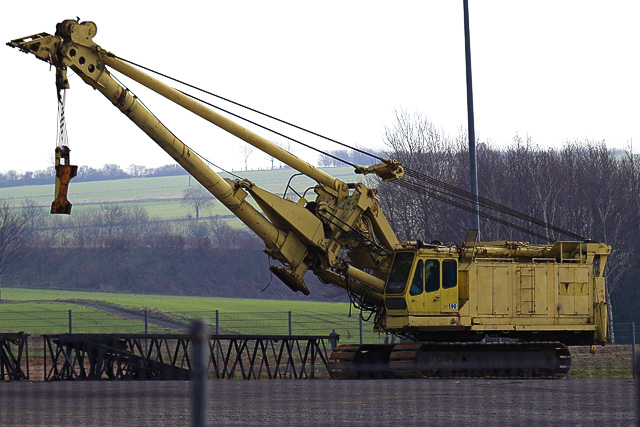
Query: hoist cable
x=459 y=193
x=62 y=137
x=420 y=189
x=252 y=110
x=267 y=129
x=483 y=201
x=163 y=125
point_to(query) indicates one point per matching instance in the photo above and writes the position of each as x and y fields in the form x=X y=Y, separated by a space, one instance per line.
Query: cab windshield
x=400 y=270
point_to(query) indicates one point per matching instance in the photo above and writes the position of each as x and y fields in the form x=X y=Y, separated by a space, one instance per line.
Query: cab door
x=431 y=296
x=416 y=288
x=449 y=286
x=440 y=294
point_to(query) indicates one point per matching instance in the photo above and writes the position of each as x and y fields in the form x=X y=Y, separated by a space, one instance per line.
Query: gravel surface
x=594 y=402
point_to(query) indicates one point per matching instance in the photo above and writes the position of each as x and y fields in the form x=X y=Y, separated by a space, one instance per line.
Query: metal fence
x=352 y=329
x=628 y=333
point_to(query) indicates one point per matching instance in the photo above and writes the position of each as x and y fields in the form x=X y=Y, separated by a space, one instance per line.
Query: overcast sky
x=551 y=70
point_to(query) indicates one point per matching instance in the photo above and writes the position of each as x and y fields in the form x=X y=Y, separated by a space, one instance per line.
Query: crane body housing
x=511 y=289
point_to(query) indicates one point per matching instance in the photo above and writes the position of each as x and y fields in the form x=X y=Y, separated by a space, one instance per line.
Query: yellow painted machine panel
x=531 y=290
x=484 y=290
x=494 y=290
x=501 y=290
x=573 y=290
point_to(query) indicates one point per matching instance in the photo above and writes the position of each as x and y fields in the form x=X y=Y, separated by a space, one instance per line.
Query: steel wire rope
x=251 y=109
x=62 y=137
x=267 y=129
x=463 y=194
x=174 y=135
x=420 y=189
x=491 y=204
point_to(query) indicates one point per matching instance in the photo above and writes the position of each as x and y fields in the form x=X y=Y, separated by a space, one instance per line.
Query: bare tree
x=110 y=219
x=137 y=170
x=285 y=145
x=247 y=150
x=35 y=218
x=327 y=161
x=84 y=230
x=14 y=236
x=197 y=198
x=420 y=146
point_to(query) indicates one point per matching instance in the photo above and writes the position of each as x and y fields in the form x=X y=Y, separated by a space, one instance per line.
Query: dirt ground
x=580 y=402
x=612 y=361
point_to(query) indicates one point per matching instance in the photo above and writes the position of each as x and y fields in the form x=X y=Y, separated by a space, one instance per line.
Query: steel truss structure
x=169 y=357
x=13 y=346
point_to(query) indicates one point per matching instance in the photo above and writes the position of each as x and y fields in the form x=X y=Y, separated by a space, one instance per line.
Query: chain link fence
x=352 y=329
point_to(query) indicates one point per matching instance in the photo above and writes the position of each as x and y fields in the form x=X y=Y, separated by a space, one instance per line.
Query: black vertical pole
x=199 y=373
x=473 y=169
x=146 y=332
x=633 y=350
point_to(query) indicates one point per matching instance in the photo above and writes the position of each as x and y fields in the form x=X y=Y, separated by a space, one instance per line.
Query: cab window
x=399 y=274
x=431 y=275
x=449 y=273
x=416 y=283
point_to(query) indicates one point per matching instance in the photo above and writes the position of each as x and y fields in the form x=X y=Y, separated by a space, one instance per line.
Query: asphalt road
x=594 y=402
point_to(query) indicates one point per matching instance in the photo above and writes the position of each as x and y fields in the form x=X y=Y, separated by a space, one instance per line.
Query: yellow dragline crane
x=443 y=299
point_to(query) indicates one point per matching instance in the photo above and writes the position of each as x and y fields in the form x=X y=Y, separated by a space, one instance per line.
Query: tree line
x=116 y=248
x=108 y=172
x=120 y=226
x=332 y=158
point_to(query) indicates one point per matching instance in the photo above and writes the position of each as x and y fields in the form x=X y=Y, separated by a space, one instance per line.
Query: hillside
x=152 y=264
x=237 y=273
x=160 y=196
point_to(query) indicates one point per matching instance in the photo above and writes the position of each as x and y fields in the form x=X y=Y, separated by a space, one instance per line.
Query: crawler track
x=530 y=360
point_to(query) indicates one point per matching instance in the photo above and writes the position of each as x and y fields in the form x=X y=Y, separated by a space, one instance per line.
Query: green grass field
x=47 y=311
x=160 y=196
x=173 y=304
x=53 y=317
x=28 y=310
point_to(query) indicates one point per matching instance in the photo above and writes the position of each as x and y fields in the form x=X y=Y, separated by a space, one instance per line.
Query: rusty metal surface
x=64 y=172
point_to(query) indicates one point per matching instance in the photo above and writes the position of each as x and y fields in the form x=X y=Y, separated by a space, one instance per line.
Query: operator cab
x=423 y=282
